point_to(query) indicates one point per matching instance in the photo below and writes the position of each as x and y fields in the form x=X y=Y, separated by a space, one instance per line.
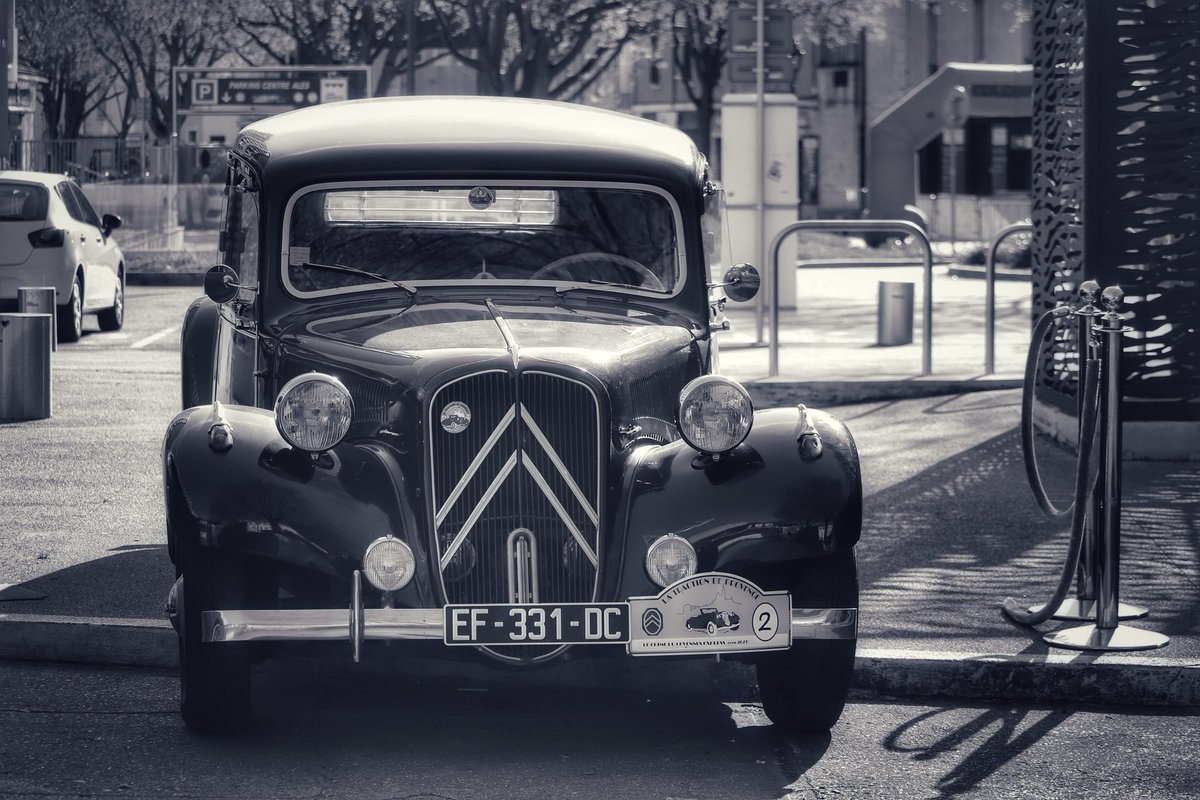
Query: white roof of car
x=47 y=179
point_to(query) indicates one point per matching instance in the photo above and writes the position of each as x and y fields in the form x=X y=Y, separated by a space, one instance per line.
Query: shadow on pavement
x=132 y=583
x=941 y=551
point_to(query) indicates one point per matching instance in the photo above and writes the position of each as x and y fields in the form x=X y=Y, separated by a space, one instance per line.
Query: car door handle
x=82 y=238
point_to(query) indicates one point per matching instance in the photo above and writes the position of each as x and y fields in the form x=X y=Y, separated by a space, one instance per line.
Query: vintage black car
x=713 y=621
x=456 y=385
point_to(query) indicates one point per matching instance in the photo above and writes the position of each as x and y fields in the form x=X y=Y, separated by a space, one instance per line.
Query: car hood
x=429 y=335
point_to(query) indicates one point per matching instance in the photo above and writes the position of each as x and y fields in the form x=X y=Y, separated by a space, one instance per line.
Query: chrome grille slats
x=550 y=424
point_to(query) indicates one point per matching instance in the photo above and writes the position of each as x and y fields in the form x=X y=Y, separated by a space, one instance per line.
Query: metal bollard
x=1083 y=606
x=25 y=381
x=40 y=300
x=1106 y=633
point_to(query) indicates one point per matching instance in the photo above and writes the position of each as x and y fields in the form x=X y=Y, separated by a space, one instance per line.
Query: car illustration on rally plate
x=462 y=393
x=712 y=621
x=51 y=236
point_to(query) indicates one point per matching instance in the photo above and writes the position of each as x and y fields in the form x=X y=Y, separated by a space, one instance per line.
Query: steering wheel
x=651 y=280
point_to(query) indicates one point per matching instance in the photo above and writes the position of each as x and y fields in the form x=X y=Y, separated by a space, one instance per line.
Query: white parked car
x=51 y=236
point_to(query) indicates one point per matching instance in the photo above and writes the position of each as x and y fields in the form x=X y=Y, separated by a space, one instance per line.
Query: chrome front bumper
x=357 y=624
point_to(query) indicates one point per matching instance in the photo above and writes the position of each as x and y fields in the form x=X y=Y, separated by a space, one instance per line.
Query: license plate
x=560 y=623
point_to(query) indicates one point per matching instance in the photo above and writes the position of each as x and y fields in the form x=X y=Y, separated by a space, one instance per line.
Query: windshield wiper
x=412 y=292
x=596 y=281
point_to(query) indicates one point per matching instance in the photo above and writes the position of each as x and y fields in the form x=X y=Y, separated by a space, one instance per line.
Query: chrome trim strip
x=474 y=466
x=824 y=623
x=540 y=480
x=522 y=567
x=477 y=512
x=356 y=616
x=559 y=465
x=321 y=624
x=514 y=349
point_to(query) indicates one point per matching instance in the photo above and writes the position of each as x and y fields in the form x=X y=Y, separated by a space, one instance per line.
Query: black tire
x=214 y=678
x=70 y=315
x=111 y=319
x=804 y=688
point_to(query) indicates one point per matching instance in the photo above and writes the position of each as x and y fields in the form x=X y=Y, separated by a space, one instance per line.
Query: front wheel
x=111 y=319
x=70 y=315
x=804 y=688
x=214 y=678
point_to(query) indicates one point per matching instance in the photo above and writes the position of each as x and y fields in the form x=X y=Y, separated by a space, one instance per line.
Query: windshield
x=359 y=238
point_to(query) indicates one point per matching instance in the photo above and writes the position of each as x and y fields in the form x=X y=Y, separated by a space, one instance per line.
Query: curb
x=774 y=391
x=164 y=279
x=1077 y=678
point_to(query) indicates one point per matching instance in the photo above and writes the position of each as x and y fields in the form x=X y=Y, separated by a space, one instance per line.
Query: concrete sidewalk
x=951 y=528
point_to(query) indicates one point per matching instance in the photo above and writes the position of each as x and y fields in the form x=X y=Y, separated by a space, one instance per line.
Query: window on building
x=979 y=29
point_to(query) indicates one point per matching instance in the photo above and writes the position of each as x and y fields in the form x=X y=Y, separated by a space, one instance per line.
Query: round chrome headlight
x=313 y=412
x=715 y=414
x=670 y=559
x=388 y=564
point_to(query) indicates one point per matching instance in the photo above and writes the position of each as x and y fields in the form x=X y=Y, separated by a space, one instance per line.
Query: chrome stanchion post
x=1107 y=634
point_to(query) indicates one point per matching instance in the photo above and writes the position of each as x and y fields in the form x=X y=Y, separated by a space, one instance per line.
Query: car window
x=239 y=230
x=604 y=234
x=24 y=202
x=63 y=190
x=88 y=213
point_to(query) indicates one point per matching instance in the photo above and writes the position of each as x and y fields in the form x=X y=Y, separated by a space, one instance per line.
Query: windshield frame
x=681 y=255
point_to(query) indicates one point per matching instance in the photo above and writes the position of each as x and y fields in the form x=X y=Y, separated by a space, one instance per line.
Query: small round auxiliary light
x=715 y=414
x=313 y=412
x=388 y=564
x=670 y=559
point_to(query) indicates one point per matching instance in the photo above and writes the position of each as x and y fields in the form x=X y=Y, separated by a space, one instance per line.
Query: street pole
x=8 y=46
x=410 y=68
x=759 y=159
x=953 y=189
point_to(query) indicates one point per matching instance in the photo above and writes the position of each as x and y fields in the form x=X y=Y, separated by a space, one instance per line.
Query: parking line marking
x=165 y=332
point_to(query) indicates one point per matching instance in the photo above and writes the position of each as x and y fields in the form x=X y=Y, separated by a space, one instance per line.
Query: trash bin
x=25 y=366
x=895 y=313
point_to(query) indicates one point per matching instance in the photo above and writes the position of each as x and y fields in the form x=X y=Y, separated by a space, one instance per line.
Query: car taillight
x=48 y=237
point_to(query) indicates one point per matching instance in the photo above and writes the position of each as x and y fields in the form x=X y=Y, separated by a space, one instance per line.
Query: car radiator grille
x=516 y=495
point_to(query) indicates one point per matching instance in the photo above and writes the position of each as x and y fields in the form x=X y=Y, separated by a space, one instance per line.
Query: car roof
x=47 y=179
x=415 y=137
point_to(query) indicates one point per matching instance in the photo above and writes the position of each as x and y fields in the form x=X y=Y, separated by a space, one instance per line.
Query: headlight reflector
x=313 y=412
x=715 y=414
x=670 y=559
x=388 y=564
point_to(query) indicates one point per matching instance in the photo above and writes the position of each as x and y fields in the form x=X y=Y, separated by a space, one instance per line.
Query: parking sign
x=204 y=91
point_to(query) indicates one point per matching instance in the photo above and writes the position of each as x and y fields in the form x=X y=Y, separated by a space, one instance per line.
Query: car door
x=101 y=279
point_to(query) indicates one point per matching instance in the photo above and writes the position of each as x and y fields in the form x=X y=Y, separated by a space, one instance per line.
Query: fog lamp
x=388 y=564
x=670 y=559
x=313 y=412
x=715 y=414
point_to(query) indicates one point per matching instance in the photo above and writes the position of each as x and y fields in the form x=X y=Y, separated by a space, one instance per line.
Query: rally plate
x=712 y=612
x=550 y=623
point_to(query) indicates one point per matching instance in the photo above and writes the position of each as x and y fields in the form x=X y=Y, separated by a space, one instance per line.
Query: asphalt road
x=68 y=732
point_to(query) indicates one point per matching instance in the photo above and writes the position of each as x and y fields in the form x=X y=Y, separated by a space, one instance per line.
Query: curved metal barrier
x=1095 y=548
x=866 y=226
x=989 y=334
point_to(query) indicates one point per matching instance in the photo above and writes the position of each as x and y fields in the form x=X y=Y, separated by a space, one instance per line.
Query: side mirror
x=741 y=282
x=220 y=284
x=109 y=223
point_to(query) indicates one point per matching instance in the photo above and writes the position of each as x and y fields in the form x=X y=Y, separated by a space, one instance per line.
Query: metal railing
x=989 y=314
x=865 y=226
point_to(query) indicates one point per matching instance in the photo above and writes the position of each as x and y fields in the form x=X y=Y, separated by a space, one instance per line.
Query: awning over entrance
x=992 y=90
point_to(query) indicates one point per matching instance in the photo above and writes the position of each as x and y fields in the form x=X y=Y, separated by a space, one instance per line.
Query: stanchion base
x=1090 y=637
x=1075 y=610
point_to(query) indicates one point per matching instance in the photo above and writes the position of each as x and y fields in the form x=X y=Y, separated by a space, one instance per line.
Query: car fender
x=197 y=351
x=252 y=493
x=768 y=502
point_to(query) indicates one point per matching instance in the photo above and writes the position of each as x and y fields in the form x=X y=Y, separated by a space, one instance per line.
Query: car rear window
x=22 y=202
